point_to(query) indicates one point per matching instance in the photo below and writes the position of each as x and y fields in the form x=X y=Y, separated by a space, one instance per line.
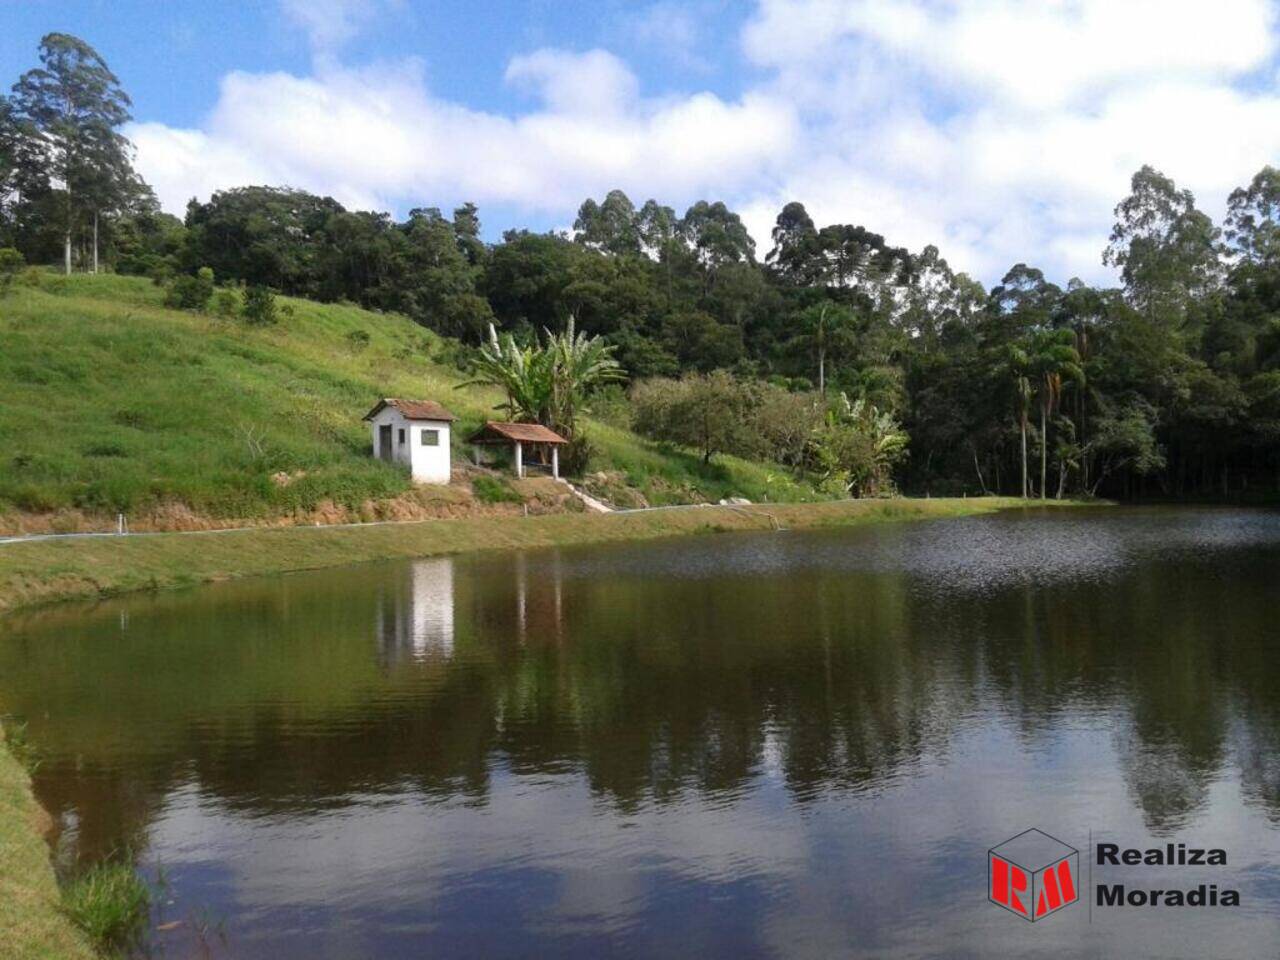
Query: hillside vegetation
x=114 y=403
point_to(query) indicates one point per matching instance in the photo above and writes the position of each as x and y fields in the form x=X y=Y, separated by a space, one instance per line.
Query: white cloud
x=595 y=82
x=1005 y=130
x=673 y=29
x=329 y=23
x=376 y=137
x=1001 y=130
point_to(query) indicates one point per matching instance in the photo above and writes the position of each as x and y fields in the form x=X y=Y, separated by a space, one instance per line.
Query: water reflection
x=783 y=744
x=415 y=612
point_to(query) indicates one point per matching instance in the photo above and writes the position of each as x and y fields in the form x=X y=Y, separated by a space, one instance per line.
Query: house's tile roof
x=412 y=409
x=525 y=432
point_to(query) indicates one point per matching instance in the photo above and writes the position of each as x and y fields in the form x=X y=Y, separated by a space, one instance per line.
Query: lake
x=787 y=744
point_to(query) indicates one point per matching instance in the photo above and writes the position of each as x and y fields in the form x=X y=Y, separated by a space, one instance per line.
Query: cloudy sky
x=999 y=130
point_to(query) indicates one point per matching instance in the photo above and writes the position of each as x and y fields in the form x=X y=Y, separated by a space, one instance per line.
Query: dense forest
x=833 y=351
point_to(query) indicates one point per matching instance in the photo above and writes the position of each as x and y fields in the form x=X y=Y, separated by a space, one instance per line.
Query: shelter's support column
x=519 y=459
x=555 y=462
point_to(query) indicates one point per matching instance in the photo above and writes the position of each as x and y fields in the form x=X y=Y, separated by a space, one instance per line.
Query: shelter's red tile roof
x=495 y=430
x=412 y=409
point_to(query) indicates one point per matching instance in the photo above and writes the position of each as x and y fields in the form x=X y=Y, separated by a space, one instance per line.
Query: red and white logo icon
x=1033 y=875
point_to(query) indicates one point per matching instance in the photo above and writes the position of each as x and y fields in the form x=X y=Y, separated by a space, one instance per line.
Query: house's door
x=385 y=450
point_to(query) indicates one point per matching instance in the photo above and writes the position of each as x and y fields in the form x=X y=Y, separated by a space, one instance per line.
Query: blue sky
x=998 y=130
x=172 y=55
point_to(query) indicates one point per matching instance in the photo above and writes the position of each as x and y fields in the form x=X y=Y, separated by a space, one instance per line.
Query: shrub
x=259 y=306
x=189 y=292
x=720 y=413
x=575 y=456
x=494 y=490
x=11 y=263
x=856 y=448
x=226 y=303
x=111 y=904
x=358 y=339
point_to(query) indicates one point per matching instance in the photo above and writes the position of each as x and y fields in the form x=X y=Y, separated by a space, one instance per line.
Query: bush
x=720 y=413
x=358 y=339
x=494 y=490
x=259 y=306
x=11 y=263
x=111 y=904
x=575 y=456
x=189 y=292
x=226 y=303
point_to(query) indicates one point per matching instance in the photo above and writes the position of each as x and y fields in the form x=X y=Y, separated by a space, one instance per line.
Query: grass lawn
x=114 y=403
x=32 y=926
x=36 y=572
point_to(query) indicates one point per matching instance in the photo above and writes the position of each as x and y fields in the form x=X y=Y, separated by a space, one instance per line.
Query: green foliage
x=494 y=490
x=190 y=292
x=111 y=904
x=546 y=383
x=170 y=409
x=226 y=303
x=981 y=381
x=720 y=413
x=11 y=264
x=856 y=448
x=16 y=741
x=259 y=307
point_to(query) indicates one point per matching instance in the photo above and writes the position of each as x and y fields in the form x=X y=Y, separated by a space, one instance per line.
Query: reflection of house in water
x=415 y=612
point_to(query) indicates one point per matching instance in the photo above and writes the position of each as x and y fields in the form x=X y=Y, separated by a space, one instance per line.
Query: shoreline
x=41 y=572
x=32 y=924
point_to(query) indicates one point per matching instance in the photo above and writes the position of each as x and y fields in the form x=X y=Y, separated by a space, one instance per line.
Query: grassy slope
x=31 y=925
x=112 y=402
x=35 y=572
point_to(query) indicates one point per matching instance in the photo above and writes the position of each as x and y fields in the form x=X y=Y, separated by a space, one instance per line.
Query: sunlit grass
x=110 y=904
x=43 y=571
x=114 y=403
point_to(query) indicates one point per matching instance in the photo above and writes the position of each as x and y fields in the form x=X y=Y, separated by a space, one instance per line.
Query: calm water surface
x=743 y=745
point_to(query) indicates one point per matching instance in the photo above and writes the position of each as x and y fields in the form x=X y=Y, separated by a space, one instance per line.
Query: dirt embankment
x=457 y=501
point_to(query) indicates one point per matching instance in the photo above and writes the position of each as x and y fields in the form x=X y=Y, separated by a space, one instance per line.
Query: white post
x=519 y=459
x=475 y=450
x=555 y=461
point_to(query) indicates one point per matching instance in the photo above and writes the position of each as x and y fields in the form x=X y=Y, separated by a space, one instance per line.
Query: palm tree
x=1053 y=359
x=821 y=321
x=1018 y=369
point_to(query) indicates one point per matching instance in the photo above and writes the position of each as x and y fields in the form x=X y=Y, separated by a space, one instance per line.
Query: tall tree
x=1052 y=359
x=610 y=226
x=796 y=253
x=821 y=321
x=73 y=106
x=1165 y=247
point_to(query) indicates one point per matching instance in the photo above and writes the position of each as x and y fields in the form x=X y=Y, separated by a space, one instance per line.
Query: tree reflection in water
x=833 y=666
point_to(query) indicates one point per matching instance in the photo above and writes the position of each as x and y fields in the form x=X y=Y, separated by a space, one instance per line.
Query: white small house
x=414 y=433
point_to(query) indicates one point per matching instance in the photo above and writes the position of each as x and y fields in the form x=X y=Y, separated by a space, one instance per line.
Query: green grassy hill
x=113 y=403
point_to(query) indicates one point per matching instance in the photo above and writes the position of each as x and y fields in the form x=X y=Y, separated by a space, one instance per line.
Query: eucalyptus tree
x=1166 y=249
x=72 y=107
x=610 y=226
x=1252 y=227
